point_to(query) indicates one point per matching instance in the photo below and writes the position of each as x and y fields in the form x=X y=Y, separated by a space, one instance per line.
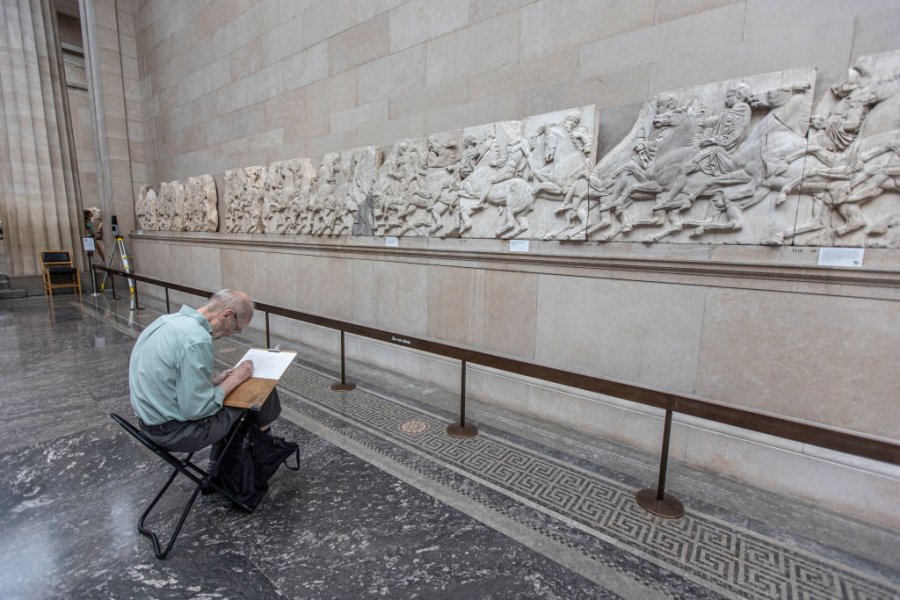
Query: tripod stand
x=119 y=250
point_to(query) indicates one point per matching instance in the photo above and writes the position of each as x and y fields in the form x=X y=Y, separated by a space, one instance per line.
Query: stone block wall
x=230 y=84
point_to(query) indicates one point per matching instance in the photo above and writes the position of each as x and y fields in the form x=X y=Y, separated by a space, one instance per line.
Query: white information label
x=140 y=232
x=88 y=244
x=518 y=245
x=391 y=242
x=841 y=257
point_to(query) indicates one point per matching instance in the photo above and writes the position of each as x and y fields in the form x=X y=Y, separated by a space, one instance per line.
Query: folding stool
x=189 y=470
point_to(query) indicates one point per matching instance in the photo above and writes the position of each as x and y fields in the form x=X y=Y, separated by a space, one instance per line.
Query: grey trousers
x=190 y=436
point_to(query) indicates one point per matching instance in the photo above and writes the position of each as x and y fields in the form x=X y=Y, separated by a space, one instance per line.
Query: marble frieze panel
x=146 y=209
x=851 y=175
x=171 y=206
x=528 y=179
x=343 y=185
x=710 y=164
x=245 y=194
x=274 y=203
x=400 y=188
x=416 y=190
x=200 y=210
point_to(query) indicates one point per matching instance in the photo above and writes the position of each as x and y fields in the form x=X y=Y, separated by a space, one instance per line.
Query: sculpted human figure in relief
x=297 y=193
x=321 y=203
x=233 y=188
x=275 y=203
x=146 y=209
x=851 y=171
x=253 y=199
x=361 y=167
x=530 y=178
x=442 y=182
x=210 y=203
x=200 y=212
x=343 y=203
x=682 y=152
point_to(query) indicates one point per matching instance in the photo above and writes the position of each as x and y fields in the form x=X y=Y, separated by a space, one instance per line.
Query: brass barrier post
x=112 y=281
x=268 y=339
x=168 y=310
x=658 y=501
x=460 y=429
x=343 y=386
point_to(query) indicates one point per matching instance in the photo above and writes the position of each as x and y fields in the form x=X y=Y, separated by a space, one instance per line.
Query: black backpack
x=249 y=462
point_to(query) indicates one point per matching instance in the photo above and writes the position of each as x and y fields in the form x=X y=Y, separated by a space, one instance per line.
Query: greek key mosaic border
x=712 y=553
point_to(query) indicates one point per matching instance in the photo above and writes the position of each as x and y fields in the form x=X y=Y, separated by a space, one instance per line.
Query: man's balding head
x=228 y=311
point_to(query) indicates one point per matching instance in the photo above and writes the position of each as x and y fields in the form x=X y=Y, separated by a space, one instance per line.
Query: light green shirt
x=171 y=370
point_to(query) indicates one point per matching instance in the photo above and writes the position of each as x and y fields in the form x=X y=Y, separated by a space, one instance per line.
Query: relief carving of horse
x=563 y=177
x=619 y=186
x=512 y=197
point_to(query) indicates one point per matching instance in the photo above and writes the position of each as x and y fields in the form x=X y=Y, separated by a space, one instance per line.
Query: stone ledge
x=579 y=259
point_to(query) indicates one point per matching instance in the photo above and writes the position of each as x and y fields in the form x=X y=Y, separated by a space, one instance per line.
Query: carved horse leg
x=854 y=218
x=605 y=221
x=788 y=189
x=677 y=224
x=511 y=223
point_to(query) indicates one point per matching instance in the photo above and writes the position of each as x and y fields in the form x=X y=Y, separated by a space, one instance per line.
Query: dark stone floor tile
x=37 y=417
x=341 y=528
x=87 y=546
x=62 y=467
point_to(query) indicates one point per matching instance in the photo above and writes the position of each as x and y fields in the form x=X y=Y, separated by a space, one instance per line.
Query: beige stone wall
x=234 y=83
x=114 y=86
x=80 y=111
x=38 y=198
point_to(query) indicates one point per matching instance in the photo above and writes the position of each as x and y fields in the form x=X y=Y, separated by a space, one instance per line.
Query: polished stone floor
x=385 y=504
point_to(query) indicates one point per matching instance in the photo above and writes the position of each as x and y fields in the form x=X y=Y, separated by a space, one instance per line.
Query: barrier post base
x=462 y=431
x=669 y=507
x=343 y=387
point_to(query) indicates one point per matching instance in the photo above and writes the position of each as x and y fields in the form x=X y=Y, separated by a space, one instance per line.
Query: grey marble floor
x=374 y=511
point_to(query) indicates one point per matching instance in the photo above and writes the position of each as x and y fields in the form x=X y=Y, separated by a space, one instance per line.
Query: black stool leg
x=184 y=514
x=185 y=467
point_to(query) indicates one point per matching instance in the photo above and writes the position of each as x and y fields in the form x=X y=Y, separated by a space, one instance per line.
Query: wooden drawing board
x=252 y=392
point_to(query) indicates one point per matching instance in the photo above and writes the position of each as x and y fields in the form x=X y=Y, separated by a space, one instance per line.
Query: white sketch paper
x=268 y=365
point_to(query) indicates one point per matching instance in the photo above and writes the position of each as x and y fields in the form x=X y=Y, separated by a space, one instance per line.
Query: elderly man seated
x=173 y=390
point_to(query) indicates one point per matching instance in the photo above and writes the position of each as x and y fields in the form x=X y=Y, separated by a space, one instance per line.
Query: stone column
x=116 y=114
x=39 y=202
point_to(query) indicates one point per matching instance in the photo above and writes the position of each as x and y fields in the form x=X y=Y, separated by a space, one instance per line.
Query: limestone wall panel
x=808 y=357
x=359 y=45
x=624 y=330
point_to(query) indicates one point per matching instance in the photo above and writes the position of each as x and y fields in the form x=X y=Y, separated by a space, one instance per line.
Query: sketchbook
x=268 y=367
